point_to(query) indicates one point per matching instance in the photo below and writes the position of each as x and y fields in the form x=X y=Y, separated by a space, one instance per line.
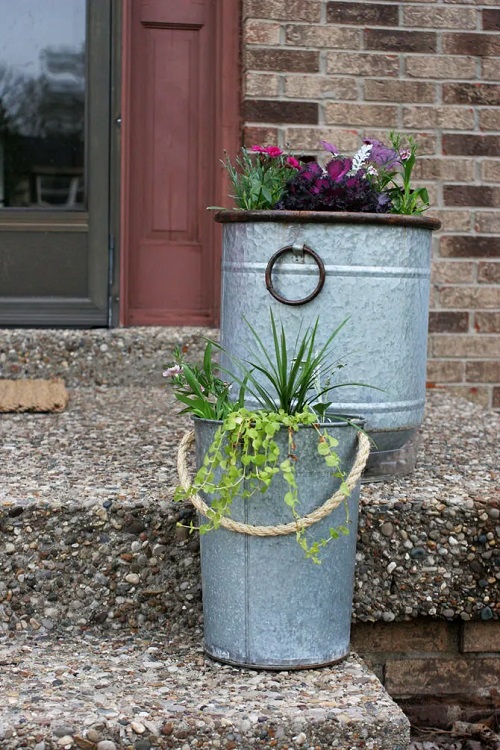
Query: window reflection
x=42 y=103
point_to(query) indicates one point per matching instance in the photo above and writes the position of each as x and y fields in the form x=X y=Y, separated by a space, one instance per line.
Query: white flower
x=360 y=157
x=371 y=170
x=172 y=371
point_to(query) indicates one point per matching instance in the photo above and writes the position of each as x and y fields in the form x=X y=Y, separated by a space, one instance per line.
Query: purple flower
x=337 y=168
x=381 y=155
x=330 y=147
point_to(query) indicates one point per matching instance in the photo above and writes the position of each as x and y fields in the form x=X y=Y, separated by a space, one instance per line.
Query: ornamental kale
x=369 y=182
x=333 y=189
x=375 y=180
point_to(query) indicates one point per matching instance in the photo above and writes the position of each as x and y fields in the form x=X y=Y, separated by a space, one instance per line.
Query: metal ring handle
x=292 y=248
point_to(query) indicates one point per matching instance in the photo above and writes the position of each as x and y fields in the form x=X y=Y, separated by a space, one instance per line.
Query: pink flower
x=293 y=162
x=405 y=154
x=172 y=371
x=271 y=151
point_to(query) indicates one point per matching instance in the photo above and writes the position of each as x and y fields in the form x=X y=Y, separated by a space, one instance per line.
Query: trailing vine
x=243 y=459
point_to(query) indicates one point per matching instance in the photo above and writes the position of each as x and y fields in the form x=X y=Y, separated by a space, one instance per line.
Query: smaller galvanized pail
x=265 y=604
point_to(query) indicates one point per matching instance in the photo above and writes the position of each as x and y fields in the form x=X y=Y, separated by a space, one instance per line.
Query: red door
x=176 y=84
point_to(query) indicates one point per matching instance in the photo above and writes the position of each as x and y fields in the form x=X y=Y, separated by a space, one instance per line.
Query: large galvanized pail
x=371 y=268
x=265 y=604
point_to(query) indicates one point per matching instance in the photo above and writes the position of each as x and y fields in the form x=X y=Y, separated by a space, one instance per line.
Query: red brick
x=453 y=272
x=261 y=32
x=400 y=41
x=399 y=91
x=470 y=297
x=496 y=398
x=491 y=19
x=489 y=119
x=471 y=145
x=487 y=222
x=483 y=372
x=263 y=136
x=491 y=69
x=280 y=60
x=440 y=66
x=265 y=110
x=471 y=195
x=471 y=44
x=362 y=64
x=284 y=10
x=448 y=322
x=308 y=139
x=450 y=118
x=480 y=637
x=487 y=322
x=439 y=17
x=444 y=371
x=488 y=273
x=261 y=84
x=469 y=246
x=421 y=635
x=363 y=115
x=362 y=14
x=323 y=36
x=490 y=170
x=469 y=346
x=471 y=93
x=440 y=676
x=452 y=219
x=320 y=87
x=461 y=170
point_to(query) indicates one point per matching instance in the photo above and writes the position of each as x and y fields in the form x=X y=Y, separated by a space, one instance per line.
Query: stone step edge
x=143 y=692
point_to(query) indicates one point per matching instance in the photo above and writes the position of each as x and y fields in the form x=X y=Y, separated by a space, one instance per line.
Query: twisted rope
x=284 y=528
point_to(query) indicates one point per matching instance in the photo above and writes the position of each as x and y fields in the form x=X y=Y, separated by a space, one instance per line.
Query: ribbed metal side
x=377 y=275
x=265 y=605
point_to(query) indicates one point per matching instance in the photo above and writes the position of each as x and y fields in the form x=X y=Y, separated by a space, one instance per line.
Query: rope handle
x=280 y=529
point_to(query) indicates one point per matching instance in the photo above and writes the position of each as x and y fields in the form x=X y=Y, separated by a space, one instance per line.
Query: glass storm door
x=54 y=161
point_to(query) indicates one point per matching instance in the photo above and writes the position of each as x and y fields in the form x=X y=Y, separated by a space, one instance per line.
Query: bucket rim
x=337 y=420
x=230 y=216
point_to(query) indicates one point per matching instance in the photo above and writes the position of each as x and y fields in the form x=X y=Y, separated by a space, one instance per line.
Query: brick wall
x=439 y=672
x=340 y=70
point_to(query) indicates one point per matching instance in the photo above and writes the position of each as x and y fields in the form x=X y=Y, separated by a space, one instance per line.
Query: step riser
x=118 y=356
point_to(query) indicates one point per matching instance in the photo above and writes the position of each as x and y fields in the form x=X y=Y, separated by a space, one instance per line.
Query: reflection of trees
x=42 y=118
x=51 y=104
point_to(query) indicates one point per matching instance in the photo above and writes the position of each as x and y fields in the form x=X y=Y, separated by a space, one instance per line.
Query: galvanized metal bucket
x=371 y=268
x=265 y=604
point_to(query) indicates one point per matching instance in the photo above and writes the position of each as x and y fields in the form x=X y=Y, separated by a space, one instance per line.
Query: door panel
x=54 y=146
x=172 y=163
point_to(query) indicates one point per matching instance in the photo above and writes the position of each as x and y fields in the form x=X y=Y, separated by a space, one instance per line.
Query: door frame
x=228 y=136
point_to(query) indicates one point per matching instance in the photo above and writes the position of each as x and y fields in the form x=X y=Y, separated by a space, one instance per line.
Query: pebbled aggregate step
x=144 y=690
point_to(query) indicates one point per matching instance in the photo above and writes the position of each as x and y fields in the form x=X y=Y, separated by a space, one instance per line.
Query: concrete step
x=99 y=356
x=88 y=527
x=145 y=690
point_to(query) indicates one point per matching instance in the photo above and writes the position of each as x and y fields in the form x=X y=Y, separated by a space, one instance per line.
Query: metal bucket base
x=385 y=465
x=275 y=667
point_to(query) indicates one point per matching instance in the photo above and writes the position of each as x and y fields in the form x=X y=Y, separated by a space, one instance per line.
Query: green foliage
x=291 y=379
x=258 y=180
x=404 y=198
x=288 y=383
x=203 y=393
x=243 y=459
